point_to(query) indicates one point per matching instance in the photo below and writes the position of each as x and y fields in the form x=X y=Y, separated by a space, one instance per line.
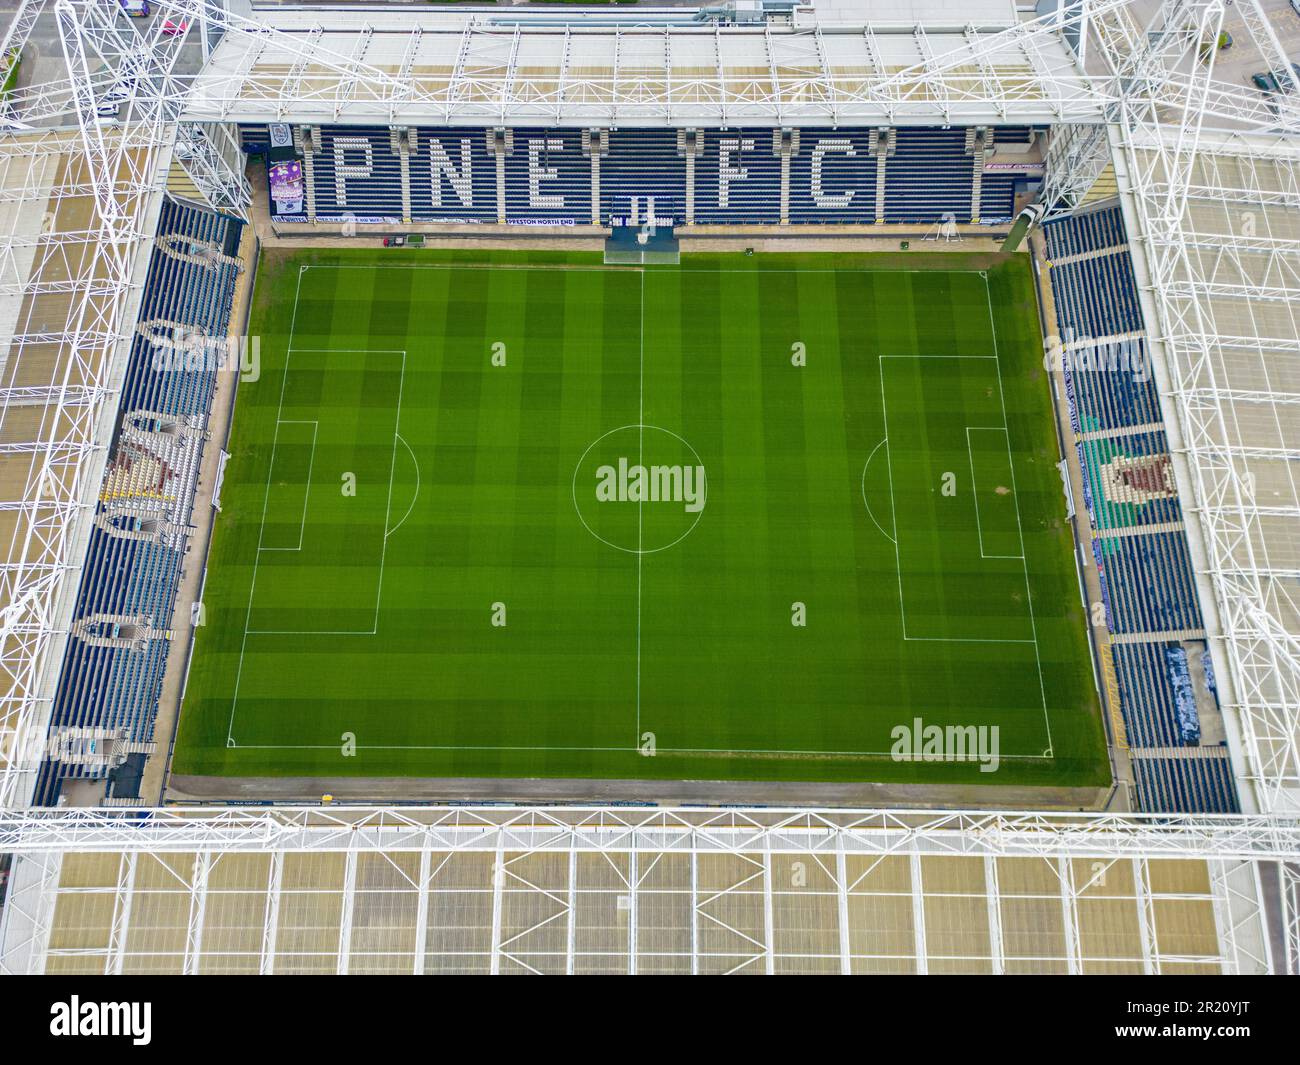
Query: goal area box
x=642 y=246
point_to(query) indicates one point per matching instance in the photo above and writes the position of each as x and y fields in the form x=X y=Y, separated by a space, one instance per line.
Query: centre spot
x=640 y=488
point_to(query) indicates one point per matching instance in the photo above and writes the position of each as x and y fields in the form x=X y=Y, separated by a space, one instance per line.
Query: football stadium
x=650 y=487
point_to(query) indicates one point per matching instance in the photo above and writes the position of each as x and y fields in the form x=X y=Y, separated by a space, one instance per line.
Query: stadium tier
x=1169 y=784
x=1139 y=542
x=1141 y=462
x=107 y=700
x=744 y=175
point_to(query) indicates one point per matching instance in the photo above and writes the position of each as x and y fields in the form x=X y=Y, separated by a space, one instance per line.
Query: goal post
x=643 y=245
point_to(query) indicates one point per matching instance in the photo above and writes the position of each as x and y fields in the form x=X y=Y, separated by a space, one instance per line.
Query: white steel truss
x=209 y=153
x=477 y=68
x=654 y=829
x=397 y=912
x=1076 y=156
x=1211 y=224
x=15 y=38
x=70 y=282
x=1289 y=872
x=627 y=890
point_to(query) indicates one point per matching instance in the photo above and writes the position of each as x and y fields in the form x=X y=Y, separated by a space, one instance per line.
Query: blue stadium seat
x=928 y=176
x=833 y=177
x=1147 y=582
x=453 y=176
x=548 y=178
x=643 y=163
x=356 y=172
x=111 y=687
x=738 y=178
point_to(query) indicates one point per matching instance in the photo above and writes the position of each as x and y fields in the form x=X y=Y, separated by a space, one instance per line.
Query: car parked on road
x=1267 y=81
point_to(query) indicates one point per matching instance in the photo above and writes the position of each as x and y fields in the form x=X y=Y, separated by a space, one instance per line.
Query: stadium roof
x=636 y=890
x=63 y=297
x=833 y=63
x=1216 y=241
x=78 y=207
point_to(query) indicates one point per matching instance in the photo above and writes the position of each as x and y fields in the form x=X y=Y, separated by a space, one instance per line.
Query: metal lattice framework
x=1214 y=220
x=572 y=889
x=529 y=68
x=69 y=280
x=345 y=66
x=1133 y=94
x=337 y=66
x=655 y=829
x=1290 y=876
x=82 y=200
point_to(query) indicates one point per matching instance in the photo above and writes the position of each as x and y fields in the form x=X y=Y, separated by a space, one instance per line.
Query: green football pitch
x=493 y=515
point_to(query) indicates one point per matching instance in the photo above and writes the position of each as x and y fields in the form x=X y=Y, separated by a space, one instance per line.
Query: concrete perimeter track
x=202 y=789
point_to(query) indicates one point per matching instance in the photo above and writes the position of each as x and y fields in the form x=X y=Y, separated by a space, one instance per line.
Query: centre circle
x=640 y=488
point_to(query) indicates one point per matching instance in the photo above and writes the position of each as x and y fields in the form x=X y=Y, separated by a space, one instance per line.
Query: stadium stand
x=1138 y=539
x=108 y=694
x=928 y=176
x=1166 y=785
x=356 y=171
x=738 y=178
x=1131 y=480
x=997 y=197
x=1146 y=681
x=458 y=176
x=834 y=179
x=1100 y=297
x=643 y=164
x=735 y=176
x=1150 y=582
x=1125 y=397
x=548 y=178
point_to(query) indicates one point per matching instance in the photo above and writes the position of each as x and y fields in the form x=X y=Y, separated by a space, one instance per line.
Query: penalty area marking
x=388 y=506
x=870 y=513
x=970 y=452
x=252 y=588
x=1033 y=628
x=306 y=493
x=893 y=504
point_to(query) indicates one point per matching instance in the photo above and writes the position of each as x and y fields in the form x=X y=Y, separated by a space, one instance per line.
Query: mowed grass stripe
x=729 y=687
